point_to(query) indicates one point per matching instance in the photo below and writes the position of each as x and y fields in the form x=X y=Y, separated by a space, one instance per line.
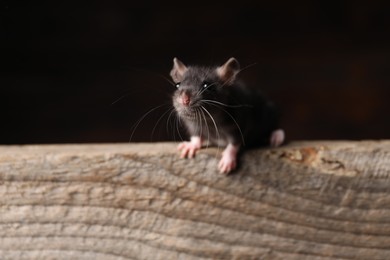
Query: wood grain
x=306 y=200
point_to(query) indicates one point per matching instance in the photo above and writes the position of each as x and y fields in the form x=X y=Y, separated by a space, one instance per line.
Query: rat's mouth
x=188 y=113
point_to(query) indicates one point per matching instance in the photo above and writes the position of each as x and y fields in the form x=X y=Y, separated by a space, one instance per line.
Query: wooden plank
x=306 y=200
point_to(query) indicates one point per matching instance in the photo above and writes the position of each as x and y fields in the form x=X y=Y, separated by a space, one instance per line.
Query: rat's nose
x=185 y=99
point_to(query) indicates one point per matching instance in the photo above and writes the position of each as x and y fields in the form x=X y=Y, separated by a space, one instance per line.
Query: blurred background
x=75 y=73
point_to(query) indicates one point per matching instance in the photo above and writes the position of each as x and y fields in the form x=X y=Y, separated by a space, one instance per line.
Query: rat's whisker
x=248 y=66
x=153 y=73
x=223 y=104
x=207 y=128
x=215 y=125
x=234 y=120
x=178 y=122
x=120 y=98
x=126 y=93
x=173 y=125
x=176 y=129
x=198 y=120
x=158 y=121
x=135 y=126
x=167 y=80
x=169 y=118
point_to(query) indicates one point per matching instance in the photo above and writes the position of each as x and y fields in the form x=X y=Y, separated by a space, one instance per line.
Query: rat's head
x=197 y=85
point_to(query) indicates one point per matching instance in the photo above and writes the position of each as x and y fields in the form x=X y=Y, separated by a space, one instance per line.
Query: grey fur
x=226 y=111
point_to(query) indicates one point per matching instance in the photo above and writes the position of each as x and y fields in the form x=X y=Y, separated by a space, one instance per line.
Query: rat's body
x=221 y=111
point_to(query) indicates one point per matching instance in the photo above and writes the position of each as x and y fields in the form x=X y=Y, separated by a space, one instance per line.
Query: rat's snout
x=185 y=98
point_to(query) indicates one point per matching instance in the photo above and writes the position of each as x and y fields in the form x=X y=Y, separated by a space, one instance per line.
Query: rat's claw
x=228 y=161
x=227 y=164
x=181 y=146
x=188 y=149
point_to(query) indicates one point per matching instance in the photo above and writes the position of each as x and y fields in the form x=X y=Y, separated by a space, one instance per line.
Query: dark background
x=325 y=64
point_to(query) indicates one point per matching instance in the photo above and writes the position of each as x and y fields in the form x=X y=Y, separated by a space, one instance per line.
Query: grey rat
x=219 y=109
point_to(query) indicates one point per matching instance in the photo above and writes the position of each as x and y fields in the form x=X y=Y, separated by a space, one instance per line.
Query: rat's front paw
x=227 y=163
x=188 y=149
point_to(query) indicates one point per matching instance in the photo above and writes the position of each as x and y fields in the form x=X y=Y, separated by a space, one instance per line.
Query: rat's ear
x=178 y=70
x=228 y=71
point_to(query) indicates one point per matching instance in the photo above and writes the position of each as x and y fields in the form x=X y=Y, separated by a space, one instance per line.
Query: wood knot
x=304 y=155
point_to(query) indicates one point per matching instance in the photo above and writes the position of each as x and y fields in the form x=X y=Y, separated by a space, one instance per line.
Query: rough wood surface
x=307 y=200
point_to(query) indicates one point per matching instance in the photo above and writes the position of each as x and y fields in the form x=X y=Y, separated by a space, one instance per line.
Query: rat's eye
x=178 y=85
x=206 y=84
